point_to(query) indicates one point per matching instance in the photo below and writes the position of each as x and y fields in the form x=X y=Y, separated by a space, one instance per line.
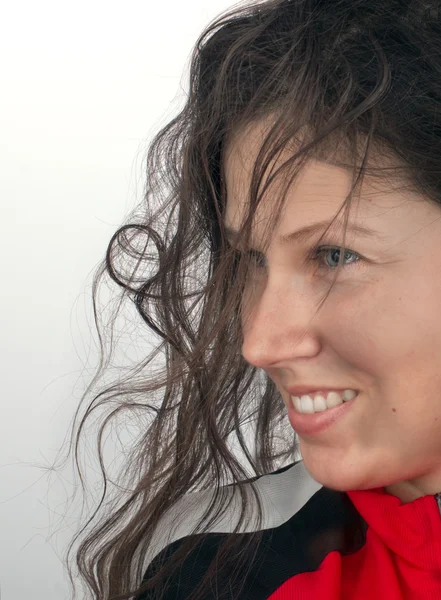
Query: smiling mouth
x=321 y=401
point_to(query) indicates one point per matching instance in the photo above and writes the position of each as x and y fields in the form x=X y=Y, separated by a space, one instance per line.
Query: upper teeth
x=318 y=402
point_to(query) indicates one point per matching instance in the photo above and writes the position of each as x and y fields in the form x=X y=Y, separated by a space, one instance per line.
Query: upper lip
x=299 y=390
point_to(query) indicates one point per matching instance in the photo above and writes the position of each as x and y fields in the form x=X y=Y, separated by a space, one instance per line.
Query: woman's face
x=379 y=331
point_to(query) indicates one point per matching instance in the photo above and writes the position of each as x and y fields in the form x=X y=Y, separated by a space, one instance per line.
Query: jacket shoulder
x=302 y=522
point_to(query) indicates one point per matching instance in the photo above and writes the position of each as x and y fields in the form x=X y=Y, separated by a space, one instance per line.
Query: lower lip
x=314 y=423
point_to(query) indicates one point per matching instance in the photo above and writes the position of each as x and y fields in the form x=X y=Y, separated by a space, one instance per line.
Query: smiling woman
x=305 y=173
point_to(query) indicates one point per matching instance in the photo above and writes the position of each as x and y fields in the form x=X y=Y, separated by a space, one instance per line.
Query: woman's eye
x=333 y=252
x=319 y=255
x=257 y=258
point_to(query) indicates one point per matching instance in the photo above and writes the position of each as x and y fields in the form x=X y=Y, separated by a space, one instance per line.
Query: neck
x=405 y=491
x=408 y=492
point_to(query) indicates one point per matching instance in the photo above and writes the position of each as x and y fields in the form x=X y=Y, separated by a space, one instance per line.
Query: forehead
x=318 y=190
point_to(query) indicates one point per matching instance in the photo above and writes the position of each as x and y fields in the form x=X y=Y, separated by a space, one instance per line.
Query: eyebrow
x=304 y=233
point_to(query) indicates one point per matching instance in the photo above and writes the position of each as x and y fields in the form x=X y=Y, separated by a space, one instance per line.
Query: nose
x=277 y=328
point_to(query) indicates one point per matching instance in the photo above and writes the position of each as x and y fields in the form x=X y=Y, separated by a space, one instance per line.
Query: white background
x=84 y=86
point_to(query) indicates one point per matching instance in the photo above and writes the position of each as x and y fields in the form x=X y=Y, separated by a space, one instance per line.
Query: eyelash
x=315 y=255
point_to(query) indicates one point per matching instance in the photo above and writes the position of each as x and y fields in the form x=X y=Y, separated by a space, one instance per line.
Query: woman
x=299 y=249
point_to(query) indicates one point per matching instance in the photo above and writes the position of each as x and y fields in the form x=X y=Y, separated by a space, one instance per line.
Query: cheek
x=390 y=328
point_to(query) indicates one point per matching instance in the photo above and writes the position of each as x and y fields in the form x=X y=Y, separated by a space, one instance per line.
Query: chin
x=339 y=475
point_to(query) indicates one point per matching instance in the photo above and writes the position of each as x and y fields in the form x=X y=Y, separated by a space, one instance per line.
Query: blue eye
x=332 y=250
x=316 y=255
x=254 y=254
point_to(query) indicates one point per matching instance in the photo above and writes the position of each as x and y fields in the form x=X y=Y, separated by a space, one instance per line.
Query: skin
x=378 y=332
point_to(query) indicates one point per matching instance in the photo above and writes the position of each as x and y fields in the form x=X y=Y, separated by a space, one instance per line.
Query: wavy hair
x=356 y=83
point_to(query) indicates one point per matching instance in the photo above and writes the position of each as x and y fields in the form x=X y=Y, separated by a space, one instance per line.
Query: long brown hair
x=353 y=82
